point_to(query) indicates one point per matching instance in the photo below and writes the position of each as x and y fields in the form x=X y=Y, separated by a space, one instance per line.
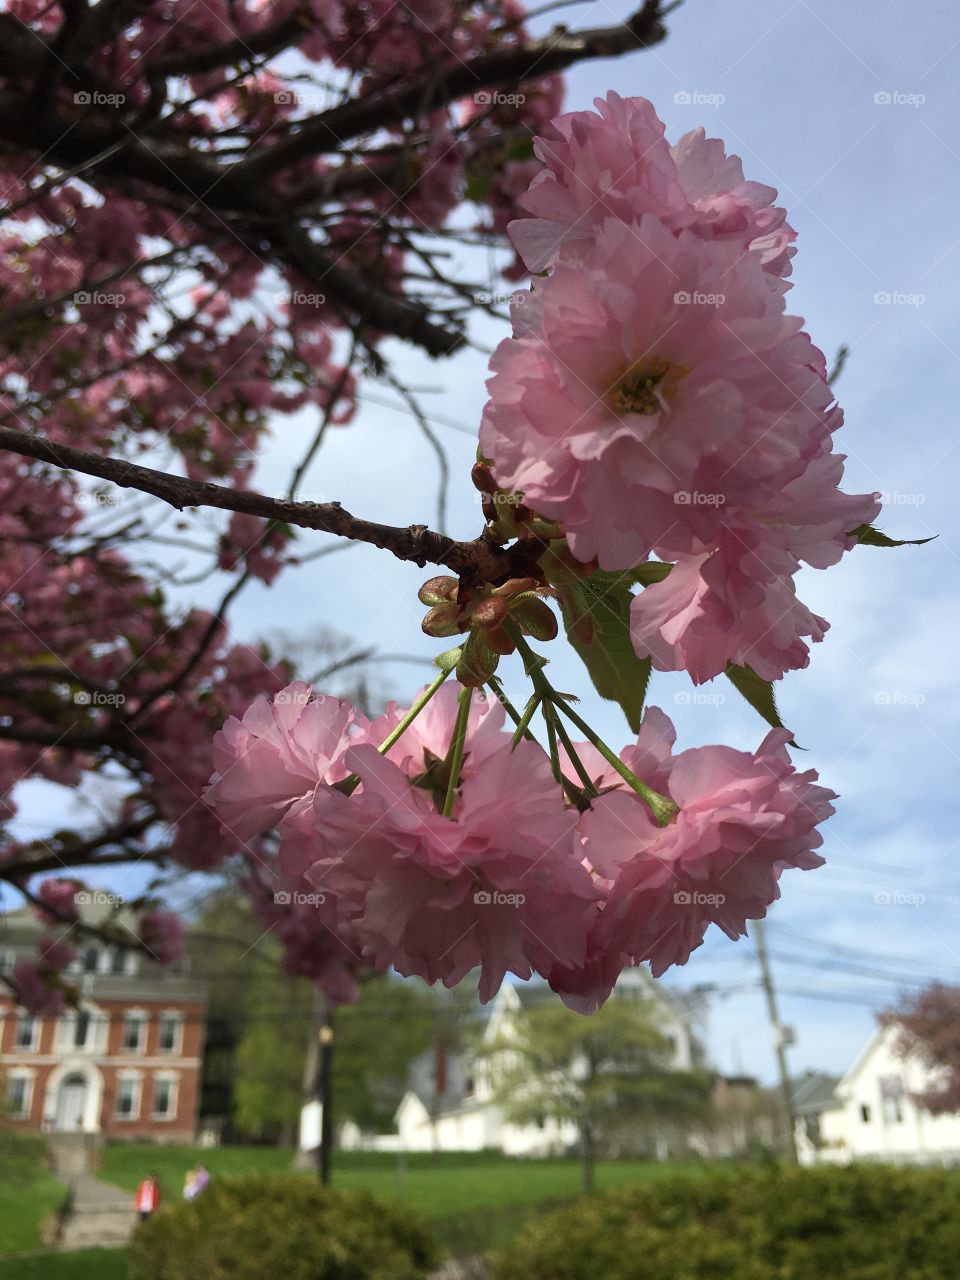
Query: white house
x=449 y=1104
x=873 y=1115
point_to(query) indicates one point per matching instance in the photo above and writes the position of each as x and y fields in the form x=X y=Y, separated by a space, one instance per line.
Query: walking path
x=97 y=1213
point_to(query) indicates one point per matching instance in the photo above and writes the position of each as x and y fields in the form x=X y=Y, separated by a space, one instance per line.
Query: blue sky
x=850 y=112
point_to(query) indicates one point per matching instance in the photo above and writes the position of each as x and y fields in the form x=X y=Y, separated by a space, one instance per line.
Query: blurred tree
x=929 y=1024
x=610 y=1075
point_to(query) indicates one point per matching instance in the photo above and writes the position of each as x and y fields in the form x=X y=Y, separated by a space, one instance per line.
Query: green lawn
x=448 y=1185
x=474 y=1200
x=85 y=1264
x=23 y=1207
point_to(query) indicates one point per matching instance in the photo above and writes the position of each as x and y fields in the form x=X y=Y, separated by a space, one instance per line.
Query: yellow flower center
x=648 y=387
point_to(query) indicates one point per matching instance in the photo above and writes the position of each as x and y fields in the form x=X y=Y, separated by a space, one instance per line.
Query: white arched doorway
x=71 y=1103
x=73 y=1098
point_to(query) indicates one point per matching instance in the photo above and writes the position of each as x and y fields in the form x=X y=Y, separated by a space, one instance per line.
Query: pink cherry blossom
x=615 y=163
x=431 y=733
x=60 y=895
x=163 y=934
x=742 y=820
x=276 y=756
x=39 y=982
x=728 y=207
x=317 y=943
x=656 y=392
x=735 y=604
x=500 y=886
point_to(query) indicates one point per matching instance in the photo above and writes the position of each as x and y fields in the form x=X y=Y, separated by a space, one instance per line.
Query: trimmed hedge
x=275 y=1227
x=867 y=1222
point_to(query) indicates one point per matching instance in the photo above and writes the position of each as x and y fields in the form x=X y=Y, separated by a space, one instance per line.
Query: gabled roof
x=815 y=1092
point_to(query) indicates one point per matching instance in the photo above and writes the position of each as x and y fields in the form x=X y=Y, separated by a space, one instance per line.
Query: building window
x=117 y=960
x=134 y=1027
x=164 y=1097
x=19 y=1091
x=7 y=960
x=864 y=1113
x=91 y=960
x=81 y=1029
x=27 y=1033
x=892 y=1111
x=168 y=1033
x=128 y=1098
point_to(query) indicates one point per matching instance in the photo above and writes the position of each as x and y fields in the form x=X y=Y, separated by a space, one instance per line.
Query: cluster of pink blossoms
x=656 y=398
x=372 y=874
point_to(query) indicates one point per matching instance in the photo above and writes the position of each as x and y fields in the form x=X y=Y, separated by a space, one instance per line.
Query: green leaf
x=447 y=660
x=645 y=575
x=596 y=615
x=759 y=693
x=872 y=537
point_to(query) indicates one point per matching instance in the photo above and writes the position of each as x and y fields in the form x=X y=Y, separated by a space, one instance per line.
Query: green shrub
x=272 y=1227
x=861 y=1223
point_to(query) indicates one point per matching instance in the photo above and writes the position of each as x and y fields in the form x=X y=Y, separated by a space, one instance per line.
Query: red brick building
x=125 y=1064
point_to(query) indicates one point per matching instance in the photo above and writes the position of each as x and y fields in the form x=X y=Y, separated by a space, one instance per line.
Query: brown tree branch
x=554 y=52
x=480 y=560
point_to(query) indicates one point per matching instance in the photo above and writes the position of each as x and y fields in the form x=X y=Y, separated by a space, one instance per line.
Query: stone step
x=110 y=1229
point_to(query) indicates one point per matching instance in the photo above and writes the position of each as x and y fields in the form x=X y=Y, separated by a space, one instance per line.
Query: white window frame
x=135 y=1079
x=175 y=1016
x=66 y=1032
x=141 y=1018
x=173 y=1080
x=28 y=1077
x=35 y=1025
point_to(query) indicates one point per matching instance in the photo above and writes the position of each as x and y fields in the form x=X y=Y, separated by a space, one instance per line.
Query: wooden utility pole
x=779 y=1039
x=325 y=1094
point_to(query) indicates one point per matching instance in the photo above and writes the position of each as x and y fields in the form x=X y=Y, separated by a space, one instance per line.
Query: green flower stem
x=455 y=754
x=588 y=784
x=349 y=784
x=521 y=721
x=662 y=807
x=552 y=739
x=523 y=731
x=412 y=714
